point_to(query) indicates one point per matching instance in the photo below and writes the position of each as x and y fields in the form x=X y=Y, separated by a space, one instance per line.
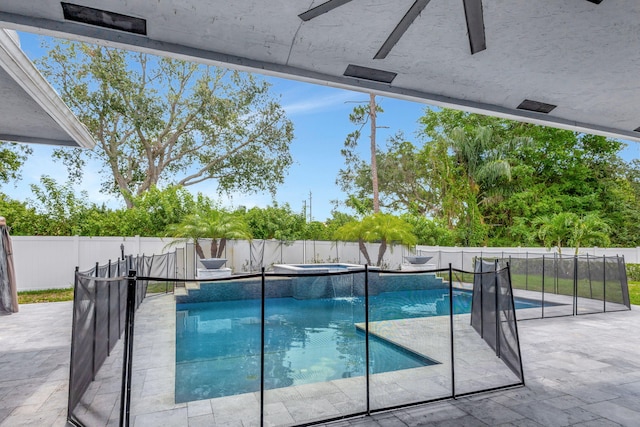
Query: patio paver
x=582 y=370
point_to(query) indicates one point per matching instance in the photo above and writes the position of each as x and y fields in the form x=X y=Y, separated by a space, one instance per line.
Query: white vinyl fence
x=49 y=262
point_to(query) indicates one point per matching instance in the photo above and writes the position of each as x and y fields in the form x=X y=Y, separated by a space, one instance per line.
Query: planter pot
x=418 y=259
x=213 y=263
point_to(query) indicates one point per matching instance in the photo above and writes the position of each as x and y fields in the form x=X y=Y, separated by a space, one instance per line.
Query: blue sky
x=320 y=115
x=321 y=122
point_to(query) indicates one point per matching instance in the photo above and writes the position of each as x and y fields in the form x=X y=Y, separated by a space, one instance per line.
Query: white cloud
x=317 y=104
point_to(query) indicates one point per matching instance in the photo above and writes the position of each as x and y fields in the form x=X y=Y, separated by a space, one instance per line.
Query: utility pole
x=304 y=209
x=374 y=163
x=310 y=207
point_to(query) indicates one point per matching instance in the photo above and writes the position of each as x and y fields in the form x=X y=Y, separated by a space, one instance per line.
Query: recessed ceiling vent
x=536 y=106
x=369 y=74
x=102 y=18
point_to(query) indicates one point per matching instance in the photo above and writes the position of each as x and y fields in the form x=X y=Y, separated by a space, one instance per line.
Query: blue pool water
x=306 y=341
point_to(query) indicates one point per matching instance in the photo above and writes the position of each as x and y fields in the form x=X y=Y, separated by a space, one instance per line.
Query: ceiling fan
x=472 y=11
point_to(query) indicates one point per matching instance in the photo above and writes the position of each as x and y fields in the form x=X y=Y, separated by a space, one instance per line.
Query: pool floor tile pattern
x=579 y=370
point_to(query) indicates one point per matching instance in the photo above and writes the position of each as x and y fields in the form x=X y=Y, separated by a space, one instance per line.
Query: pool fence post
x=526 y=271
x=515 y=323
x=575 y=285
x=453 y=368
x=604 y=283
x=481 y=298
x=73 y=333
x=262 y=342
x=109 y=310
x=589 y=277
x=556 y=263
x=543 y=263
x=366 y=335
x=127 y=360
x=496 y=306
x=95 y=322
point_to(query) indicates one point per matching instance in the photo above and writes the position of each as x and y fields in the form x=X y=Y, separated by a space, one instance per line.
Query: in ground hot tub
x=312 y=281
x=315 y=268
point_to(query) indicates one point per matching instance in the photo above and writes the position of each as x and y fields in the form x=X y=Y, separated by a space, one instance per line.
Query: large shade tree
x=160 y=121
x=12 y=157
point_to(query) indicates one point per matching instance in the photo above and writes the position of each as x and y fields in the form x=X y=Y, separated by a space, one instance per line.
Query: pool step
x=183 y=291
x=192 y=286
x=180 y=291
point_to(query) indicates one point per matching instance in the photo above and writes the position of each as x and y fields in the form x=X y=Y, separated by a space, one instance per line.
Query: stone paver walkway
x=581 y=370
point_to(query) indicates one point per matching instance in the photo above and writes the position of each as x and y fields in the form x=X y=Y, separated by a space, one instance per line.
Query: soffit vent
x=103 y=18
x=536 y=106
x=369 y=74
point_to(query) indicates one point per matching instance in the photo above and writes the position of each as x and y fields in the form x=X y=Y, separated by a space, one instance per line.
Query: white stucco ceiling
x=30 y=110
x=581 y=56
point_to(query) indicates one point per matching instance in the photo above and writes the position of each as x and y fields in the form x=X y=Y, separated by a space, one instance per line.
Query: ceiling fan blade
x=401 y=28
x=323 y=8
x=475 y=25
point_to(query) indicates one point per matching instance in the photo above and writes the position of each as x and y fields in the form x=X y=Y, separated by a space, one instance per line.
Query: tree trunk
x=223 y=243
x=199 y=250
x=381 y=251
x=374 y=163
x=363 y=249
x=214 y=248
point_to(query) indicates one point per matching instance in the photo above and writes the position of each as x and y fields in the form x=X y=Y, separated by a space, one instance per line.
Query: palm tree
x=190 y=229
x=589 y=230
x=484 y=160
x=214 y=224
x=224 y=225
x=568 y=228
x=354 y=231
x=379 y=227
x=555 y=230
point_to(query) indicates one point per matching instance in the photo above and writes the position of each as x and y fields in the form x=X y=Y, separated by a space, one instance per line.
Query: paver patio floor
x=582 y=370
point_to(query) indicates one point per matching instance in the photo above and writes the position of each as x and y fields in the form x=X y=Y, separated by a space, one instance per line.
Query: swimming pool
x=306 y=341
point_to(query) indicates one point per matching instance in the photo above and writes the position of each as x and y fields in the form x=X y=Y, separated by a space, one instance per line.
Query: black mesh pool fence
x=420 y=317
x=99 y=321
x=568 y=285
x=493 y=313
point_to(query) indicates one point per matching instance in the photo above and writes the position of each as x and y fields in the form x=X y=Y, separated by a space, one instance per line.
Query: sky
x=320 y=115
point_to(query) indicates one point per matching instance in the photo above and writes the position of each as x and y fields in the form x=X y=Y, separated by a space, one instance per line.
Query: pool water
x=306 y=341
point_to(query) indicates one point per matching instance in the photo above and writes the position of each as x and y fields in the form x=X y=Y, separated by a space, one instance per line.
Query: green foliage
x=22 y=220
x=12 y=157
x=275 y=222
x=166 y=120
x=567 y=228
x=633 y=272
x=379 y=227
x=215 y=224
x=429 y=232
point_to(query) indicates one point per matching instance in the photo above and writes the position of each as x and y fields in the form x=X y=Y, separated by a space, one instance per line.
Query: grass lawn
x=634 y=292
x=57 y=295
x=45 y=295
